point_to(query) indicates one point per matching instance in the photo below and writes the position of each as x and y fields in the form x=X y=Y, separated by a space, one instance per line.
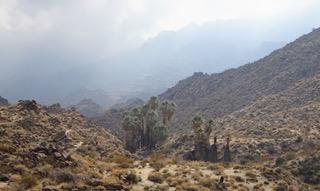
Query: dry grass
x=28 y=181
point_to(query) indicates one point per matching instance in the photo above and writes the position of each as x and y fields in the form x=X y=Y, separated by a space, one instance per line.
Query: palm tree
x=197 y=122
x=153 y=103
x=152 y=119
x=167 y=110
x=131 y=124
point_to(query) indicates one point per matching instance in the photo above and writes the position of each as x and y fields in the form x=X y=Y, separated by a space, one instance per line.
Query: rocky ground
x=50 y=148
x=56 y=149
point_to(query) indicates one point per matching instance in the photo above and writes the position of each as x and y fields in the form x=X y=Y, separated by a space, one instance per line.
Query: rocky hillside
x=270 y=108
x=47 y=148
x=217 y=95
x=53 y=149
x=271 y=127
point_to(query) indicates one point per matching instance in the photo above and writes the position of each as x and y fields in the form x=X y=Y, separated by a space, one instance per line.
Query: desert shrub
x=5 y=147
x=251 y=175
x=21 y=169
x=290 y=156
x=156 y=177
x=239 y=179
x=63 y=176
x=176 y=159
x=310 y=170
x=280 y=161
x=158 y=161
x=282 y=186
x=28 y=181
x=122 y=160
x=207 y=182
x=157 y=165
x=161 y=188
x=197 y=175
x=191 y=187
x=175 y=181
x=167 y=175
x=165 y=171
x=44 y=170
x=219 y=169
x=132 y=177
x=299 y=139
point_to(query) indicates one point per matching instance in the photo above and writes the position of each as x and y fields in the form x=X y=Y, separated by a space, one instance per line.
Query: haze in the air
x=56 y=50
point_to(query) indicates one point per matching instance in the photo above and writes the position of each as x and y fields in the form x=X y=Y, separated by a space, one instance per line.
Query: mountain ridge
x=235 y=88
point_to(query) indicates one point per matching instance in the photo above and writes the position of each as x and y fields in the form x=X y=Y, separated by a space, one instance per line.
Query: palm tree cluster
x=203 y=150
x=147 y=126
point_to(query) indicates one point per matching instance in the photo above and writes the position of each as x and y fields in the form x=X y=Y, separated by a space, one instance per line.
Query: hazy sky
x=47 y=39
x=107 y=26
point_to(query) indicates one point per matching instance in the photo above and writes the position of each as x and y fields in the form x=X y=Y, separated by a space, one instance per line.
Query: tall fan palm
x=167 y=110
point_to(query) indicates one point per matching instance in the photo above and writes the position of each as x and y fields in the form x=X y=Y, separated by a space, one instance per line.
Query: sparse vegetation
x=310 y=170
x=273 y=119
x=156 y=177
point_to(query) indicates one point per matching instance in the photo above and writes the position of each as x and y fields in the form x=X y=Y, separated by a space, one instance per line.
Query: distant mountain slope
x=173 y=55
x=3 y=101
x=220 y=94
x=89 y=108
x=280 y=129
x=128 y=103
x=112 y=118
x=270 y=108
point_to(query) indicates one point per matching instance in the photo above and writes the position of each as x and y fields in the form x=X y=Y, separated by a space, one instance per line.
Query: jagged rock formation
x=3 y=101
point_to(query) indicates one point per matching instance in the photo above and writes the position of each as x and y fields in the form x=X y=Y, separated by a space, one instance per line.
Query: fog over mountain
x=113 y=49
